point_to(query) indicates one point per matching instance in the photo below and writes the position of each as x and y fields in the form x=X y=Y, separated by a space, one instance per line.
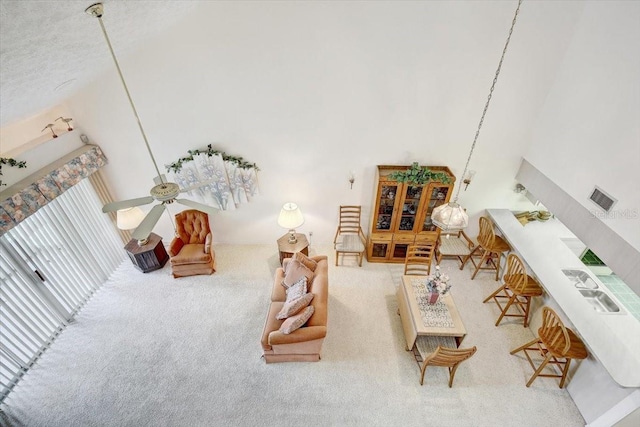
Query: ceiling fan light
x=450 y=217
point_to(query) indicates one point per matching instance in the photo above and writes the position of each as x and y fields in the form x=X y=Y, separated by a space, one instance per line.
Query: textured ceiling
x=50 y=49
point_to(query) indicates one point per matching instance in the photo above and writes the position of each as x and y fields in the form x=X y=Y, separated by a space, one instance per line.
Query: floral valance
x=215 y=179
x=24 y=198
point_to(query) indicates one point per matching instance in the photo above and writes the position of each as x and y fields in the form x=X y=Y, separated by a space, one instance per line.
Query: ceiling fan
x=164 y=192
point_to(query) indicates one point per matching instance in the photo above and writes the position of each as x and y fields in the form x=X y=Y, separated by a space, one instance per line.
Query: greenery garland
x=11 y=162
x=209 y=151
x=419 y=175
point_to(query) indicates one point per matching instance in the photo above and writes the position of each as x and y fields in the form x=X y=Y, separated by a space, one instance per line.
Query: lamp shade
x=130 y=218
x=450 y=217
x=290 y=216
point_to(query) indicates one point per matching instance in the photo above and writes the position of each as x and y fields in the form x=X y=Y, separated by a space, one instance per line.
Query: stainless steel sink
x=600 y=301
x=581 y=279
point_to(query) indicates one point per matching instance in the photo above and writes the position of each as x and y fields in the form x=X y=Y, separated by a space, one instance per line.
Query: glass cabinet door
x=410 y=207
x=438 y=195
x=379 y=250
x=388 y=195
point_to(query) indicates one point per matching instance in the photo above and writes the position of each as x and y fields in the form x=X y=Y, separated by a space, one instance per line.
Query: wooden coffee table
x=411 y=318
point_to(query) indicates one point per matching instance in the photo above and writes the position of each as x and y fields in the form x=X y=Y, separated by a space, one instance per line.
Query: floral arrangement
x=438 y=283
x=11 y=162
x=210 y=151
x=419 y=175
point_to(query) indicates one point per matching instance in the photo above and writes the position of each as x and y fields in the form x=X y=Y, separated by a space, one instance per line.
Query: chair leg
x=564 y=372
x=506 y=307
x=485 y=255
x=469 y=257
x=522 y=347
x=540 y=368
x=500 y=289
x=452 y=373
x=424 y=368
x=498 y=267
x=526 y=311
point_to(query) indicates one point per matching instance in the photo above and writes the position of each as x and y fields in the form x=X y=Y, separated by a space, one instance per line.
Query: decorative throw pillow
x=294 y=307
x=296 y=321
x=305 y=260
x=297 y=290
x=296 y=270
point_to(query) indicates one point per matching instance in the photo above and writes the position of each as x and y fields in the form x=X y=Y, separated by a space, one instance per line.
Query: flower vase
x=432 y=297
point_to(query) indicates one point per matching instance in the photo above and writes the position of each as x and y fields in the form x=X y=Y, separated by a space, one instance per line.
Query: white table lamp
x=291 y=217
x=129 y=219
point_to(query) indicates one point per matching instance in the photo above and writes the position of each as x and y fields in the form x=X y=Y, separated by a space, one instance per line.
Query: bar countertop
x=613 y=338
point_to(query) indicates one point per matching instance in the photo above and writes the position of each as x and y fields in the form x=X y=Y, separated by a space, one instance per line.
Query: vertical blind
x=50 y=265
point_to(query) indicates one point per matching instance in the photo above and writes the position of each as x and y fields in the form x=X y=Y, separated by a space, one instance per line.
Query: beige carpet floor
x=149 y=350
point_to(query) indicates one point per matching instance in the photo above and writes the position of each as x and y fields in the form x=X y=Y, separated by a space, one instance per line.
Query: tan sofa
x=304 y=344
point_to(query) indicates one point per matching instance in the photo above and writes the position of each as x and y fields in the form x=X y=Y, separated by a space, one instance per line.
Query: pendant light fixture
x=451 y=216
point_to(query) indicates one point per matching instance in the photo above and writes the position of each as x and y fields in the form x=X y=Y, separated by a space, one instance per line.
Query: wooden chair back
x=553 y=333
x=516 y=275
x=486 y=235
x=447 y=357
x=192 y=226
x=349 y=238
x=349 y=220
x=418 y=259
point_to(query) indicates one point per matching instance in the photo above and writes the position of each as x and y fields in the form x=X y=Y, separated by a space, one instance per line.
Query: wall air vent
x=602 y=199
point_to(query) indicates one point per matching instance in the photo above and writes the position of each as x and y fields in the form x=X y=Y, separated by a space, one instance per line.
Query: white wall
x=313 y=90
x=589 y=130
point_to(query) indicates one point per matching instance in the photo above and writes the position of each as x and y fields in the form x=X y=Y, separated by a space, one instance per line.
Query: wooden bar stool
x=518 y=288
x=491 y=246
x=556 y=343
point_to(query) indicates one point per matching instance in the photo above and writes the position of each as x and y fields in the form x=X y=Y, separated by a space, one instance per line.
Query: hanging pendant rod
x=486 y=107
x=96 y=10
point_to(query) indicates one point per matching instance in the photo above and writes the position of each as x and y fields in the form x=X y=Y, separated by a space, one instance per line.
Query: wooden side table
x=287 y=249
x=149 y=257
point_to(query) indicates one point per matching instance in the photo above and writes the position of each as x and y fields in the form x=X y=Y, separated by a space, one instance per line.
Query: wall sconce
x=291 y=217
x=519 y=188
x=467 y=178
x=352 y=179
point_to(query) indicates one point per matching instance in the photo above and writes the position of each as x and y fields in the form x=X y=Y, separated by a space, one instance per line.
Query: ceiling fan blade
x=201 y=207
x=147 y=224
x=123 y=204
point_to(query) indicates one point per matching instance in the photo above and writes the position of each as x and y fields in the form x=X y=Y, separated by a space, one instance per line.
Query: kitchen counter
x=613 y=338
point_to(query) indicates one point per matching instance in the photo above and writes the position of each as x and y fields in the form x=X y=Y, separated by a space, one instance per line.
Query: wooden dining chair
x=447 y=357
x=492 y=247
x=556 y=343
x=418 y=259
x=517 y=289
x=349 y=238
x=455 y=245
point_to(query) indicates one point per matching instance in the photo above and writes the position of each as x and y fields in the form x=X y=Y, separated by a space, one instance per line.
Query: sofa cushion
x=296 y=270
x=294 y=307
x=297 y=290
x=305 y=260
x=296 y=321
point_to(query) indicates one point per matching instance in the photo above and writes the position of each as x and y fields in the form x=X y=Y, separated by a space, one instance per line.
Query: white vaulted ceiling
x=50 y=49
